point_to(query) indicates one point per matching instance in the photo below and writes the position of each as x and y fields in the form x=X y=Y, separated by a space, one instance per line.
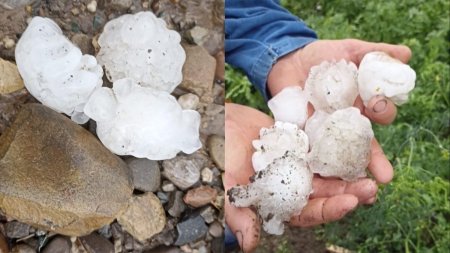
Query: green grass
x=412 y=213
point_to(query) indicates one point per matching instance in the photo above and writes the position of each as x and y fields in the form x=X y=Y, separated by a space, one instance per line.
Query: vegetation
x=412 y=213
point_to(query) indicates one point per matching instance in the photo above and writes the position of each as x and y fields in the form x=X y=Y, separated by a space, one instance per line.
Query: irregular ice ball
x=343 y=147
x=380 y=74
x=332 y=85
x=143 y=122
x=290 y=105
x=313 y=127
x=54 y=70
x=141 y=47
x=274 y=142
x=278 y=192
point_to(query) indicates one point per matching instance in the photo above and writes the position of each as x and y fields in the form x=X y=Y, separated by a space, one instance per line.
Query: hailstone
x=141 y=47
x=313 y=125
x=342 y=149
x=278 y=192
x=54 y=70
x=290 y=105
x=275 y=141
x=143 y=122
x=332 y=85
x=380 y=74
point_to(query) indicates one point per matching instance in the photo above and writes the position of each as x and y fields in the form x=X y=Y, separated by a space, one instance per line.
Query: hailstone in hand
x=313 y=126
x=141 y=47
x=275 y=141
x=278 y=192
x=342 y=148
x=143 y=122
x=290 y=105
x=54 y=70
x=380 y=74
x=332 y=85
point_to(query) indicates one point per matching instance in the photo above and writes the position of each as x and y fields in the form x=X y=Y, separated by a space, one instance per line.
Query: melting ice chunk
x=141 y=47
x=380 y=74
x=143 y=122
x=54 y=70
x=332 y=85
x=290 y=105
x=342 y=147
x=313 y=127
x=278 y=192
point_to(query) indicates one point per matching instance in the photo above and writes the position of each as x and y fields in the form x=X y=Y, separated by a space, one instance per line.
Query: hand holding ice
x=290 y=105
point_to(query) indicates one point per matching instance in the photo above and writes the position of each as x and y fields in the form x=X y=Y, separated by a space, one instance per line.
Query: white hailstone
x=290 y=105
x=313 y=127
x=332 y=85
x=143 y=122
x=274 y=142
x=54 y=70
x=278 y=192
x=141 y=47
x=343 y=146
x=380 y=74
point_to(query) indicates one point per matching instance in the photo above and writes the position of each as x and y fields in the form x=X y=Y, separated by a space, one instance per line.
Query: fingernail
x=380 y=106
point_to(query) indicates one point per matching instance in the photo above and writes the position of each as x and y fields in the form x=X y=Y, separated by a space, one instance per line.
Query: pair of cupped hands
x=331 y=198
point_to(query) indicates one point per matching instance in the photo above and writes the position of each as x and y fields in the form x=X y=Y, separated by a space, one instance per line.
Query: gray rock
x=168 y=186
x=59 y=244
x=191 y=230
x=105 y=231
x=208 y=214
x=213 y=121
x=14 y=4
x=163 y=197
x=56 y=176
x=95 y=243
x=120 y=5
x=216 y=229
x=15 y=229
x=146 y=174
x=216 y=148
x=217 y=245
x=176 y=206
x=184 y=171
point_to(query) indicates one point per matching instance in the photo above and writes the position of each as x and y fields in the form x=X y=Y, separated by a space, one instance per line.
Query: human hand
x=293 y=69
x=331 y=199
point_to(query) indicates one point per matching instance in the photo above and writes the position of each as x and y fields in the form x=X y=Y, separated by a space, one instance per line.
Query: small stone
x=144 y=217
x=216 y=229
x=199 y=35
x=146 y=174
x=191 y=230
x=207 y=175
x=10 y=79
x=4 y=248
x=189 y=101
x=75 y=11
x=219 y=94
x=59 y=244
x=200 y=196
x=83 y=41
x=218 y=245
x=92 y=6
x=105 y=231
x=213 y=121
x=216 y=147
x=184 y=171
x=23 y=248
x=15 y=229
x=120 y=5
x=168 y=187
x=220 y=68
x=186 y=248
x=145 y=4
x=8 y=43
x=176 y=205
x=95 y=243
x=208 y=214
x=163 y=197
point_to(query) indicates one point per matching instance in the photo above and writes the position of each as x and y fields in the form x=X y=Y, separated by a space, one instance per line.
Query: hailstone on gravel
x=54 y=70
x=278 y=192
x=141 y=47
x=275 y=141
x=143 y=122
x=332 y=85
x=380 y=74
x=290 y=105
x=343 y=146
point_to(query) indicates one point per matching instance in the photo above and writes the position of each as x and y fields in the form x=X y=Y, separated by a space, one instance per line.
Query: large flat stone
x=57 y=176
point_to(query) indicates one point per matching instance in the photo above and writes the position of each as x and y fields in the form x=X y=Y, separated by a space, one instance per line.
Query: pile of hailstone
x=336 y=140
x=142 y=58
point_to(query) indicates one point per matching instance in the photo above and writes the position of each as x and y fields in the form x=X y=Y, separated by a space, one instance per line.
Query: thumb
x=381 y=110
x=359 y=48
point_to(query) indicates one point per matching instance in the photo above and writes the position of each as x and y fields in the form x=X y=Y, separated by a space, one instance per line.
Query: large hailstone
x=290 y=105
x=313 y=127
x=141 y=47
x=332 y=85
x=55 y=71
x=278 y=192
x=275 y=141
x=343 y=144
x=380 y=74
x=143 y=122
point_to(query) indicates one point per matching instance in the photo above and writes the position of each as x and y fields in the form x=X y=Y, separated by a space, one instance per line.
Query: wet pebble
x=200 y=196
x=189 y=101
x=176 y=205
x=146 y=174
x=215 y=229
x=191 y=230
x=208 y=214
x=184 y=171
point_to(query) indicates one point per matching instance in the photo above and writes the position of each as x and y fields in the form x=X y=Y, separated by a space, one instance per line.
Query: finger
x=243 y=222
x=359 y=48
x=364 y=189
x=381 y=110
x=379 y=165
x=323 y=210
